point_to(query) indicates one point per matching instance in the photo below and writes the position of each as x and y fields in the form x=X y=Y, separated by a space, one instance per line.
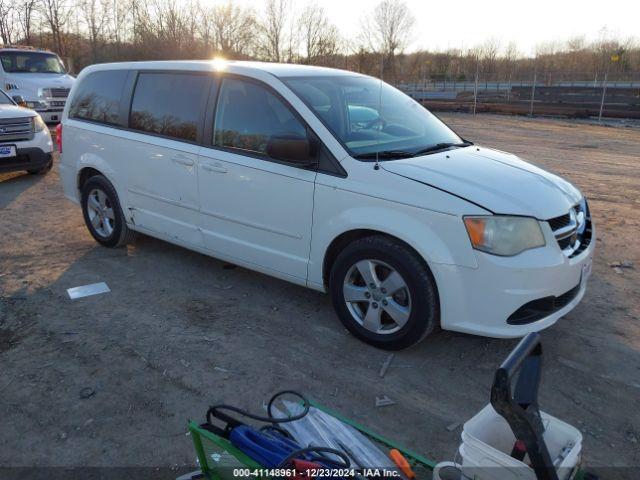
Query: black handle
x=520 y=408
x=529 y=345
x=525 y=359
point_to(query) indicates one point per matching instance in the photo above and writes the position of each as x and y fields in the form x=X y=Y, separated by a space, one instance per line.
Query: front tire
x=384 y=293
x=103 y=214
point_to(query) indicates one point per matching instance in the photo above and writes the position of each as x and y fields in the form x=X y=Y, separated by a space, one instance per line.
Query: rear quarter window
x=98 y=97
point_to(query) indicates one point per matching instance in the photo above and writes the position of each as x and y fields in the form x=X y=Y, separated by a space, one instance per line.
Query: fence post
x=604 y=91
x=475 y=89
x=533 y=93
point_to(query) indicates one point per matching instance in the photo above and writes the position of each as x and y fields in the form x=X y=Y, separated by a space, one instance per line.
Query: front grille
x=559 y=222
x=56 y=92
x=573 y=230
x=15 y=129
x=542 y=307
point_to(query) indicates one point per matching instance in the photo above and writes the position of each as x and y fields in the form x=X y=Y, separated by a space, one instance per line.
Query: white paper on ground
x=87 y=290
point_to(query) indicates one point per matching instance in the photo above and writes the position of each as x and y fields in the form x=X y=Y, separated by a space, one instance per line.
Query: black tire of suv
x=425 y=308
x=43 y=170
x=122 y=234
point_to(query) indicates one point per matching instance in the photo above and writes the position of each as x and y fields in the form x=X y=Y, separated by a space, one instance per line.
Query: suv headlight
x=38 y=124
x=504 y=235
x=36 y=105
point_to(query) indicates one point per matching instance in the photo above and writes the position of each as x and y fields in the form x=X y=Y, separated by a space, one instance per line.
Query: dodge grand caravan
x=331 y=180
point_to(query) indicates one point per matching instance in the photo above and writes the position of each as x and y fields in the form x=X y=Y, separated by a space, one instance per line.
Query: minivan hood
x=497 y=181
x=29 y=83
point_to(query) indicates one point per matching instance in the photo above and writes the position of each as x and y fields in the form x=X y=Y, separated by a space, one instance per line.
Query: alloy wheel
x=377 y=296
x=100 y=212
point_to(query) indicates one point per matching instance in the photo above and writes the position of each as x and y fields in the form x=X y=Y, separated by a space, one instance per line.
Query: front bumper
x=481 y=300
x=29 y=158
x=51 y=115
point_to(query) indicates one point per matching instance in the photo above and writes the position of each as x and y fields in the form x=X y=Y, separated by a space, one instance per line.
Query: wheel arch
x=90 y=166
x=84 y=174
x=345 y=238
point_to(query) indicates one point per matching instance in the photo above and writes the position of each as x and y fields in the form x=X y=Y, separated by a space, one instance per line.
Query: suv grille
x=16 y=129
x=573 y=230
x=56 y=92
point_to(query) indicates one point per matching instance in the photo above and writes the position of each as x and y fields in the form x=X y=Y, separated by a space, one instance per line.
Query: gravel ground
x=178 y=331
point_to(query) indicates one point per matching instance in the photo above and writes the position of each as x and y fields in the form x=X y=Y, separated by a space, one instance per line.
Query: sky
x=442 y=24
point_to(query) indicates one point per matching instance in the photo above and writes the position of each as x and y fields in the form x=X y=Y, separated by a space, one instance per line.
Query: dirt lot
x=179 y=332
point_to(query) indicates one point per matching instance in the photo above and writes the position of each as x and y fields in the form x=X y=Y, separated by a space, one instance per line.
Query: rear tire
x=384 y=293
x=103 y=214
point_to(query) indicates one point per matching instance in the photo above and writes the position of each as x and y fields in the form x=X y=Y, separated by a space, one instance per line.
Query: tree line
x=92 y=31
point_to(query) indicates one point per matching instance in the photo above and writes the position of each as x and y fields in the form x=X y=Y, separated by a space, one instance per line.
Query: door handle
x=179 y=159
x=214 y=167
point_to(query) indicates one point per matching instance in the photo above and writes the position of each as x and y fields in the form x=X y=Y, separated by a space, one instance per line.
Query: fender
x=439 y=238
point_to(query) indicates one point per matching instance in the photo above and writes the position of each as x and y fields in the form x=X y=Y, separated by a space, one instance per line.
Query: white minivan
x=332 y=180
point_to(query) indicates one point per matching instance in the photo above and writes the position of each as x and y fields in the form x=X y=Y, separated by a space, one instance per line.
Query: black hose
x=270 y=418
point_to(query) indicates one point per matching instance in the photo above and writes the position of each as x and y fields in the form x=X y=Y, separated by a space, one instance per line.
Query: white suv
x=39 y=77
x=25 y=142
x=332 y=180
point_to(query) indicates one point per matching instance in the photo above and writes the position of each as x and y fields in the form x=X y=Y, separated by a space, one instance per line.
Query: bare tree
x=388 y=30
x=7 y=22
x=488 y=54
x=233 y=29
x=319 y=37
x=96 y=16
x=272 y=30
x=24 y=13
x=56 y=14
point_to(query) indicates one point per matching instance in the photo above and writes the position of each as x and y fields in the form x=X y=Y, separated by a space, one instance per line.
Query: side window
x=98 y=97
x=169 y=104
x=249 y=115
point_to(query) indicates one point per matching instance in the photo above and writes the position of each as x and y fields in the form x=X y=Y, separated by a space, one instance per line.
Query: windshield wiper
x=385 y=154
x=440 y=146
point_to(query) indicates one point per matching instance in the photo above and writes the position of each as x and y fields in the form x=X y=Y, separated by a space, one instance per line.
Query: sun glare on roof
x=219 y=63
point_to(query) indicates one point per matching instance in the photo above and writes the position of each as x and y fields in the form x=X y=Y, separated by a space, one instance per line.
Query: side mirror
x=19 y=99
x=292 y=148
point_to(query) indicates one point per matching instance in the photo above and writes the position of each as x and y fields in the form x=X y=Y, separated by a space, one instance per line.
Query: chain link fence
x=614 y=96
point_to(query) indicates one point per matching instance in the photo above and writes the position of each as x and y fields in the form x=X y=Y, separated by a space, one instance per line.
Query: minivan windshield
x=31 y=62
x=372 y=119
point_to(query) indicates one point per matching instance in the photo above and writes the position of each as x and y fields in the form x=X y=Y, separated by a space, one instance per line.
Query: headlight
x=36 y=105
x=503 y=235
x=38 y=124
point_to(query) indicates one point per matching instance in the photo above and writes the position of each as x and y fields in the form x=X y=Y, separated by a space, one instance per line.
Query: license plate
x=586 y=271
x=7 y=151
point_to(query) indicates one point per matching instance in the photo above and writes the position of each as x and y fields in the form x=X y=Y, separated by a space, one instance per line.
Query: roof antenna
x=376 y=166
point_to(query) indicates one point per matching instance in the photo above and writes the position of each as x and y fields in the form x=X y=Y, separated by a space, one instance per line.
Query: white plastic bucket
x=487 y=441
x=447 y=471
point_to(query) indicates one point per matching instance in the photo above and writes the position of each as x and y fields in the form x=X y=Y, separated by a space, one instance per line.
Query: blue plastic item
x=268 y=448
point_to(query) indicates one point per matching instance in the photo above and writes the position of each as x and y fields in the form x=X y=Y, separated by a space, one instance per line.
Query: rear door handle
x=214 y=167
x=182 y=160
